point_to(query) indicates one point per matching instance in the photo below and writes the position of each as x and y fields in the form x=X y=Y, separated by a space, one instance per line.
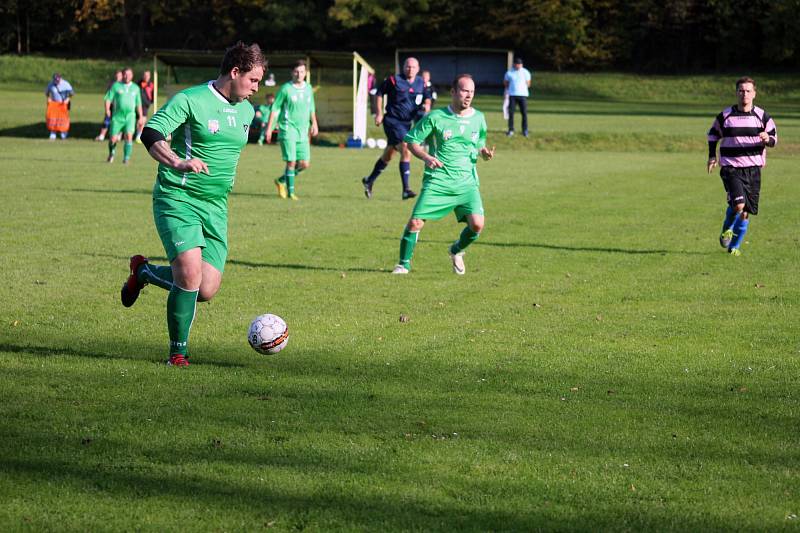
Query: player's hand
x=314 y=130
x=268 y=137
x=487 y=153
x=432 y=162
x=192 y=165
x=378 y=119
x=764 y=136
x=712 y=162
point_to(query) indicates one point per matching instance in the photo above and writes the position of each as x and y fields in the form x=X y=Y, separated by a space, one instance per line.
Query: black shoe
x=408 y=193
x=367 y=188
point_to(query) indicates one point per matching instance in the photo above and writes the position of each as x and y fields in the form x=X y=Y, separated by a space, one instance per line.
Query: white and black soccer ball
x=268 y=334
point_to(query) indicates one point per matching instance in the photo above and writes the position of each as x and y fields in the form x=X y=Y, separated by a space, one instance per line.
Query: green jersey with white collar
x=206 y=126
x=454 y=140
x=294 y=106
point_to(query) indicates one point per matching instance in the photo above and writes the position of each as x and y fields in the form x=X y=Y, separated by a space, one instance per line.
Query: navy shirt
x=403 y=98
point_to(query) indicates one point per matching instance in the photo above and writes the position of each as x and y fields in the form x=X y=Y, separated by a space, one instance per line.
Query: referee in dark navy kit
x=406 y=95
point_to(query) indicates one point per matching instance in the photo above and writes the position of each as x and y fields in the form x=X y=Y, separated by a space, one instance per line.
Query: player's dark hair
x=242 y=56
x=299 y=63
x=459 y=77
x=745 y=79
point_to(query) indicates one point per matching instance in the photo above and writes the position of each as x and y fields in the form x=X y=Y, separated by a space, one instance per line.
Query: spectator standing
x=518 y=81
x=59 y=93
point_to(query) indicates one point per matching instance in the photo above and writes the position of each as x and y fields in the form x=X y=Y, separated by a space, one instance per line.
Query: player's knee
x=302 y=165
x=205 y=294
x=476 y=225
x=415 y=224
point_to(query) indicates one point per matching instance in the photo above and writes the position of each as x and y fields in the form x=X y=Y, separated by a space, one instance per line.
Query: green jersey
x=294 y=107
x=206 y=126
x=125 y=97
x=455 y=141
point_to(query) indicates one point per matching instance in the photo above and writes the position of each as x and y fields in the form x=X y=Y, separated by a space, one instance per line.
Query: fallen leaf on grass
x=573 y=389
x=404 y=318
x=760 y=286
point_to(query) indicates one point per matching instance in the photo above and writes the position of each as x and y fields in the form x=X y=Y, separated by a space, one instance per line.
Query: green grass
x=602 y=365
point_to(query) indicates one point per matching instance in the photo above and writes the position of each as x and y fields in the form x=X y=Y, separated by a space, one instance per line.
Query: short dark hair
x=517 y=60
x=745 y=79
x=242 y=56
x=460 y=77
x=299 y=63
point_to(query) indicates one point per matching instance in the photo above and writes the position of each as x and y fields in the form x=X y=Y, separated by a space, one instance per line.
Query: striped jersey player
x=743 y=132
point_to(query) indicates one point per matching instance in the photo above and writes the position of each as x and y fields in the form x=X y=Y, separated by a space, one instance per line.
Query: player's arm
x=277 y=105
x=270 y=126
x=486 y=153
x=770 y=134
x=379 y=110
x=314 y=125
x=416 y=137
x=166 y=120
x=714 y=135
x=159 y=149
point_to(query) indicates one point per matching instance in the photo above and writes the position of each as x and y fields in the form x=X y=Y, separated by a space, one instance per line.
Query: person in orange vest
x=59 y=93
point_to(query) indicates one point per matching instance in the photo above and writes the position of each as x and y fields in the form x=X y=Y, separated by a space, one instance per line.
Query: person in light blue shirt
x=517 y=82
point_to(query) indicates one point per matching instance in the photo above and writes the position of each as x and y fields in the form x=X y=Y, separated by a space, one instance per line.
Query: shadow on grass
x=50 y=351
x=631 y=251
x=38 y=130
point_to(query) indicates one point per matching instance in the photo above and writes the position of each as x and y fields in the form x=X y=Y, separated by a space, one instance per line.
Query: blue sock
x=376 y=170
x=739 y=230
x=730 y=214
x=405 y=172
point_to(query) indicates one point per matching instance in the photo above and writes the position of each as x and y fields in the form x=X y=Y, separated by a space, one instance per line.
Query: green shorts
x=434 y=204
x=122 y=123
x=184 y=223
x=295 y=145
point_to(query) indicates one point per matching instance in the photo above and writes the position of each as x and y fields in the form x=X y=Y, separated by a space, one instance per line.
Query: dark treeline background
x=639 y=35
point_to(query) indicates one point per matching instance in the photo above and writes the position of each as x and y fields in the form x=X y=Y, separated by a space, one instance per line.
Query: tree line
x=638 y=35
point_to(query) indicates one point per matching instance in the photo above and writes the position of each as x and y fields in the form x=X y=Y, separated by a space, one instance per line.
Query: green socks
x=127 y=149
x=290 y=180
x=181 y=305
x=160 y=276
x=407 y=244
x=466 y=238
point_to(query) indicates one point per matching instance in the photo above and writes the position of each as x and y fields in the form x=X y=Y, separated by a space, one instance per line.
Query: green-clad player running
x=209 y=125
x=126 y=99
x=456 y=136
x=295 y=111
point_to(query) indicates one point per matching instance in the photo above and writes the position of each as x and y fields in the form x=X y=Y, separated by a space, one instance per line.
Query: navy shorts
x=743 y=185
x=395 y=130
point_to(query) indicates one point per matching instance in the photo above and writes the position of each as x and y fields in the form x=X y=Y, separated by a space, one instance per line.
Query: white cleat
x=400 y=269
x=458 y=263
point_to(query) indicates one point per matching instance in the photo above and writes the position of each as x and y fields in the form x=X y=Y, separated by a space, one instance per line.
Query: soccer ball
x=381 y=143
x=371 y=142
x=268 y=334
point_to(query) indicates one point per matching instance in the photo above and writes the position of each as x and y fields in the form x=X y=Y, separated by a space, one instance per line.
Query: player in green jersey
x=209 y=125
x=456 y=137
x=294 y=110
x=126 y=99
x=263 y=113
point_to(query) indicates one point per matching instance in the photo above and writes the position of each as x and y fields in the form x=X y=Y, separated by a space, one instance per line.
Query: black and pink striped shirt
x=741 y=146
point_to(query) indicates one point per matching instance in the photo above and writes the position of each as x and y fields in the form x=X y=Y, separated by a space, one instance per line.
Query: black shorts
x=743 y=185
x=395 y=130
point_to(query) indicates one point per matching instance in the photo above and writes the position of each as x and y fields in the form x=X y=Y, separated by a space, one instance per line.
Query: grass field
x=603 y=365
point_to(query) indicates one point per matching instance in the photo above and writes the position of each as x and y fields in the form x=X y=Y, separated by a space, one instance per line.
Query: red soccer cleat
x=178 y=359
x=132 y=286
